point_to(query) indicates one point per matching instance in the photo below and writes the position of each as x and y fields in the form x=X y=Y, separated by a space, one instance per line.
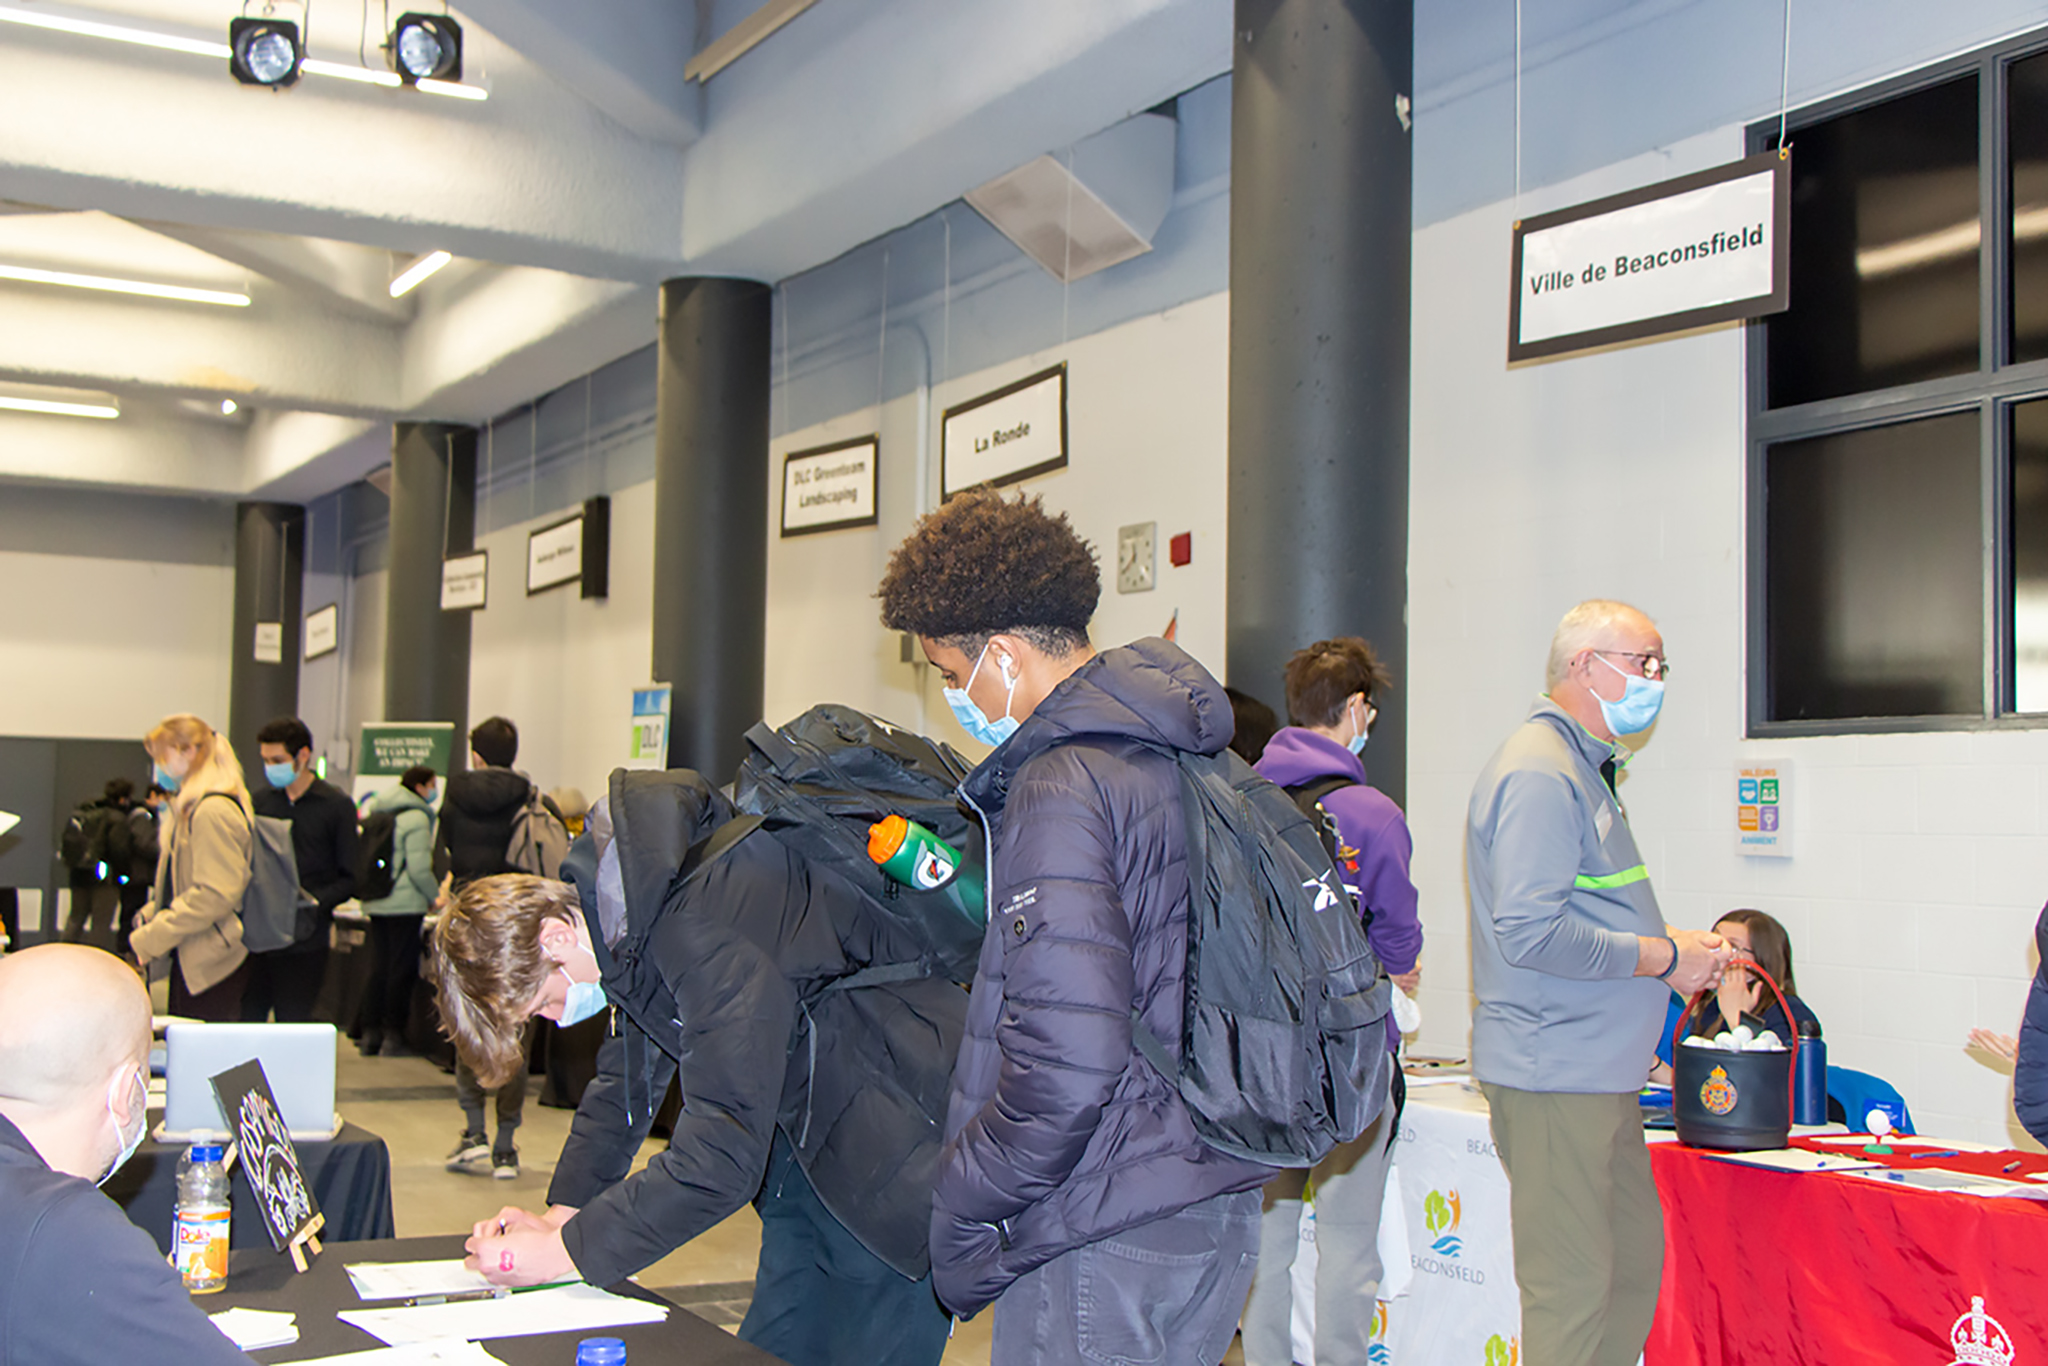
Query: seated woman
x=1762 y=940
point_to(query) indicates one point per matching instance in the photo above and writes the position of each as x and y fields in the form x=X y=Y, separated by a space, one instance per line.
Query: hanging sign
x=1763 y=790
x=465 y=581
x=1016 y=432
x=1703 y=248
x=270 y=642
x=650 y=725
x=323 y=631
x=554 y=555
x=389 y=748
x=829 y=487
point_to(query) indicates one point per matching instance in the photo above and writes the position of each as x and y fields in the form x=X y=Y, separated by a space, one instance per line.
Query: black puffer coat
x=2030 y=1077
x=475 y=828
x=729 y=973
x=1058 y=1133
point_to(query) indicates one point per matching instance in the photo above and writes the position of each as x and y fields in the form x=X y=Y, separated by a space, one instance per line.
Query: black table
x=265 y=1280
x=350 y=1178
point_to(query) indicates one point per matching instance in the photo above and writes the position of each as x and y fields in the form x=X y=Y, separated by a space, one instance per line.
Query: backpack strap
x=881 y=974
x=1309 y=795
x=715 y=844
x=781 y=755
x=1148 y=1046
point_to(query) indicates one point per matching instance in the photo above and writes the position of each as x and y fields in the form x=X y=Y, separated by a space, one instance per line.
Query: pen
x=2011 y=1166
x=1945 y=1152
x=455 y=1297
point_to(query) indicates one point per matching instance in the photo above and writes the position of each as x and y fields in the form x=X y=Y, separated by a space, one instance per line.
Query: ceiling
x=591 y=172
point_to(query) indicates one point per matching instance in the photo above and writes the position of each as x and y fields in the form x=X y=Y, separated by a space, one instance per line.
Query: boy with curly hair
x=1073 y=1191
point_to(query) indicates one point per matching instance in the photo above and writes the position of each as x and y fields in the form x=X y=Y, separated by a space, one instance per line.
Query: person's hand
x=1740 y=992
x=530 y=1254
x=1998 y=1045
x=507 y=1219
x=1408 y=981
x=1702 y=956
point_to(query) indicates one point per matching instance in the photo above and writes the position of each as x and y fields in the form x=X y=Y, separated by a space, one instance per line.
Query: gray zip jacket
x=1559 y=894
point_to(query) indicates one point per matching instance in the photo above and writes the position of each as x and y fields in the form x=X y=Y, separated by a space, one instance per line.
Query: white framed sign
x=465 y=582
x=826 y=488
x=1703 y=248
x=323 y=631
x=1011 y=434
x=554 y=555
x=270 y=642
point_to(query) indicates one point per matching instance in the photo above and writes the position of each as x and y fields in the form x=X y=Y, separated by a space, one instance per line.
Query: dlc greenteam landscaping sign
x=389 y=748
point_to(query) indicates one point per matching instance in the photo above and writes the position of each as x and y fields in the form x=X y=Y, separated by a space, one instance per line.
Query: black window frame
x=1991 y=390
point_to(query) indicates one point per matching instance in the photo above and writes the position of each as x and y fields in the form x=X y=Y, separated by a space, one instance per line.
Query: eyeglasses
x=1653 y=667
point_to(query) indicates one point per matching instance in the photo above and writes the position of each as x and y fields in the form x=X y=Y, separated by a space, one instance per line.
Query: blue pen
x=1946 y=1152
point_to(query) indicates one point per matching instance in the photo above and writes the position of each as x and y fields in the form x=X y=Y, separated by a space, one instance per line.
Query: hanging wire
x=1785 y=80
x=882 y=343
x=1518 y=110
x=1067 y=263
x=946 y=295
x=490 y=449
x=588 y=466
x=784 y=292
x=533 y=460
x=448 y=496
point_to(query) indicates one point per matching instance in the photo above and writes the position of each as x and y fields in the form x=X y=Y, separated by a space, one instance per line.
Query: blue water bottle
x=1810 y=1086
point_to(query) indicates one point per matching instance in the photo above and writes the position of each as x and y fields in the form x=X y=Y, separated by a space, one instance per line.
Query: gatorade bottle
x=199 y=1241
x=919 y=859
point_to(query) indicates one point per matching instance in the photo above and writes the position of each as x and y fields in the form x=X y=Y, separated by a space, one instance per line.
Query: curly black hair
x=983 y=564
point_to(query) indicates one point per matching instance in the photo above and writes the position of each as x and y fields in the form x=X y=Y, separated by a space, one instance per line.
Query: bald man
x=78 y=1282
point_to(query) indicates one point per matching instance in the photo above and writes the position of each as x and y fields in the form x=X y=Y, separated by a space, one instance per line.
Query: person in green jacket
x=395 y=920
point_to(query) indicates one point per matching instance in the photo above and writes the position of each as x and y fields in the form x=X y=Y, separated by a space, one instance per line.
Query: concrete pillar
x=711 y=516
x=433 y=514
x=1319 y=262
x=270 y=553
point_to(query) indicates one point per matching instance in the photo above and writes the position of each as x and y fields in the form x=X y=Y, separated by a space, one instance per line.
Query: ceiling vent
x=1088 y=210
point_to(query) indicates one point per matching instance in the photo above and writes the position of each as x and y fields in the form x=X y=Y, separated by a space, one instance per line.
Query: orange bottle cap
x=886 y=836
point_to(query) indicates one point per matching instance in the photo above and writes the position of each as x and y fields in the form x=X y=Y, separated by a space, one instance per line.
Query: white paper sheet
x=562 y=1309
x=455 y=1353
x=398 y=1280
x=1799 y=1160
x=254 y=1329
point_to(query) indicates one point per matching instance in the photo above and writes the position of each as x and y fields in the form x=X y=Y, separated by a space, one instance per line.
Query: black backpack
x=1308 y=797
x=82 y=847
x=377 y=857
x=820 y=781
x=1283 y=1053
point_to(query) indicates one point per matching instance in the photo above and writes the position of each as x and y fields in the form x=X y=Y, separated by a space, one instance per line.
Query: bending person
x=813 y=1095
x=79 y=1283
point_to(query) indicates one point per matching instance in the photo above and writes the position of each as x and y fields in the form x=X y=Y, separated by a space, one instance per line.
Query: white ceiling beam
x=624 y=56
x=158 y=455
x=349 y=278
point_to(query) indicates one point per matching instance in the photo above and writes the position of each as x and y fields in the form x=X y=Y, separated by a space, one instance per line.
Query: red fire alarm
x=1181 y=549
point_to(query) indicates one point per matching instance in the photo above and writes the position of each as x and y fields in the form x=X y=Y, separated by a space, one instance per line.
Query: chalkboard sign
x=270 y=1161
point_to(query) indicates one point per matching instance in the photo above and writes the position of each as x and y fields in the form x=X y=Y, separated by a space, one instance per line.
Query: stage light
x=264 y=51
x=426 y=47
x=419 y=270
x=228 y=407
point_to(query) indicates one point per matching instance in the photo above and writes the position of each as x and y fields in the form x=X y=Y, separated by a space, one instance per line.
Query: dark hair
x=1770 y=946
x=1322 y=676
x=496 y=742
x=119 y=791
x=288 y=731
x=418 y=776
x=156 y=790
x=1255 y=725
x=983 y=564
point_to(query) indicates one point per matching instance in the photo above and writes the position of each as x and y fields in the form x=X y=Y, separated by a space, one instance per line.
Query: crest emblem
x=1718 y=1093
x=1980 y=1340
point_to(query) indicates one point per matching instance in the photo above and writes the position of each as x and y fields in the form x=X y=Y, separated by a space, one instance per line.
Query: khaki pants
x=1588 y=1228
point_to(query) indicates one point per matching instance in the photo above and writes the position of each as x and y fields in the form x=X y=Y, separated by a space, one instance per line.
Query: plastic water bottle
x=199 y=1240
x=601 y=1352
x=1810 y=1086
x=919 y=859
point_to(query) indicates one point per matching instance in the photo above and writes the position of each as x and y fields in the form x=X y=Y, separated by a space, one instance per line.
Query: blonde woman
x=194 y=916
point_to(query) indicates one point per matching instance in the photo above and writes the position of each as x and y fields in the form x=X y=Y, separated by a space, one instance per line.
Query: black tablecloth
x=350 y=1178
x=262 y=1280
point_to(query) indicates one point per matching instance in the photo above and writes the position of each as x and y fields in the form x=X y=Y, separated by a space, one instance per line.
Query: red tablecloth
x=1771 y=1267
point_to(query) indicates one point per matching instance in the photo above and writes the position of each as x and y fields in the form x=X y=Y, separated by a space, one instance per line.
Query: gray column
x=433 y=513
x=270 y=553
x=711 y=516
x=1319 y=262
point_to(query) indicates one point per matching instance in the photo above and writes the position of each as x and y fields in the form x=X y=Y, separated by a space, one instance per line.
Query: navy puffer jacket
x=2030 y=1077
x=1058 y=1133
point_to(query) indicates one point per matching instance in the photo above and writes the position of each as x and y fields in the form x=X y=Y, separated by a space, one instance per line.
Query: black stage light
x=426 y=47
x=264 y=51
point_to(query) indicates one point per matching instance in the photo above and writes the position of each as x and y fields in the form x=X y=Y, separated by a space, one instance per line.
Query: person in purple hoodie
x=1330 y=687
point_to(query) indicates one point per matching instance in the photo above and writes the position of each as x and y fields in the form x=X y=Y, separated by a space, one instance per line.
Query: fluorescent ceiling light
x=202 y=47
x=418 y=271
x=44 y=405
x=33 y=276
x=1945 y=244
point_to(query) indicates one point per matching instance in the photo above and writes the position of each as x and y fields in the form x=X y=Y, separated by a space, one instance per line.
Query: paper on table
x=254 y=1329
x=456 y=1353
x=1797 y=1160
x=397 y=1280
x=564 y=1309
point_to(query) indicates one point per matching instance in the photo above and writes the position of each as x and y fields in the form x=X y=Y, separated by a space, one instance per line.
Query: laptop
x=298 y=1061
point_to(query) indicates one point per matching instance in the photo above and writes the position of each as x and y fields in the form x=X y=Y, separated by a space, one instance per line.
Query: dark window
x=2029 y=487
x=1876 y=590
x=2027 y=121
x=1884 y=249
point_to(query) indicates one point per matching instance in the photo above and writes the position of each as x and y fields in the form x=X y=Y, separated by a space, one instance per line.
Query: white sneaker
x=472 y=1156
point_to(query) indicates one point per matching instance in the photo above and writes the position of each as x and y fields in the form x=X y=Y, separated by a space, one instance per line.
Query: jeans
x=1167 y=1292
x=1350 y=1184
x=820 y=1297
x=395 y=967
x=220 y=1003
x=511 y=1098
x=286 y=981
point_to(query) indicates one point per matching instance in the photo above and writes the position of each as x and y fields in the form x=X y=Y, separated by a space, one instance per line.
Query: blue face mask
x=280 y=775
x=164 y=778
x=585 y=999
x=1638 y=705
x=973 y=719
